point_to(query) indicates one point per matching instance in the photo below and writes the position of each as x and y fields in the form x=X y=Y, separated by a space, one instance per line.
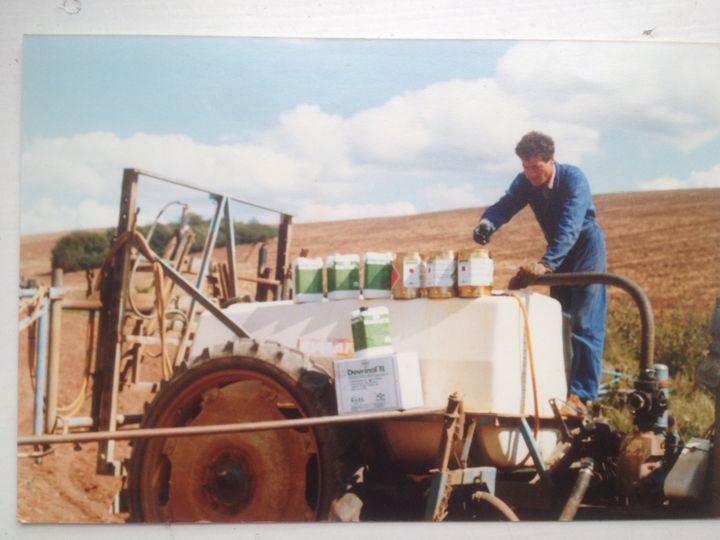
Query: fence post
x=56 y=301
x=107 y=362
x=41 y=368
x=283 y=252
x=261 y=289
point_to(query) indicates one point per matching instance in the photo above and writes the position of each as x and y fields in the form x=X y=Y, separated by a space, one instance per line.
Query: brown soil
x=668 y=242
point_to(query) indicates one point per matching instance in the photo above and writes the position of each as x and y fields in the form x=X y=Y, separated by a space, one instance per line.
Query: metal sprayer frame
x=105 y=419
x=114 y=291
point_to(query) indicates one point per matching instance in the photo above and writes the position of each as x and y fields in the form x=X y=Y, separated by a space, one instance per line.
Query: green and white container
x=377 y=276
x=343 y=276
x=371 y=332
x=307 y=280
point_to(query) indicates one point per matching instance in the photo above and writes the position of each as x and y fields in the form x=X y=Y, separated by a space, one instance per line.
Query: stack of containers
x=377 y=378
x=403 y=276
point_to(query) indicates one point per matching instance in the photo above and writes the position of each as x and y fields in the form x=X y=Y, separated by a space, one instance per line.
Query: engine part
x=640 y=454
x=687 y=477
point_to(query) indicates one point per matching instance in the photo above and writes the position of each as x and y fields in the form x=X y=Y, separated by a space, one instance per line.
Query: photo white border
x=685 y=21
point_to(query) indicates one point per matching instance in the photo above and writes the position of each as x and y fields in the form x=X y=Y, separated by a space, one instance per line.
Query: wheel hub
x=253 y=476
x=228 y=482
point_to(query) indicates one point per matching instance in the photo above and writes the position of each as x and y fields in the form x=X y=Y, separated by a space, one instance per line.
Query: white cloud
x=448 y=196
x=663 y=91
x=452 y=124
x=60 y=172
x=449 y=144
x=696 y=179
x=48 y=216
x=321 y=212
x=309 y=157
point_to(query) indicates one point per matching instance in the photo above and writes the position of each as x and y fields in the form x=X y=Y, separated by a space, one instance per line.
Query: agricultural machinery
x=241 y=415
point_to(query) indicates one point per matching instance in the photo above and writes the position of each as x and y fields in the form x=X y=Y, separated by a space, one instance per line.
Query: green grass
x=681 y=342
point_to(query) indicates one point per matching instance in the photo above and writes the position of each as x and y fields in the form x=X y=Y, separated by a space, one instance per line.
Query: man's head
x=537 y=153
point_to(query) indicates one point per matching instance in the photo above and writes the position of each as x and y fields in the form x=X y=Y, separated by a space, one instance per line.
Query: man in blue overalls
x=560 y=198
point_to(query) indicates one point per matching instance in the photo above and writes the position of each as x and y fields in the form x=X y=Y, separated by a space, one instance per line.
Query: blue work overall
x=576 y=243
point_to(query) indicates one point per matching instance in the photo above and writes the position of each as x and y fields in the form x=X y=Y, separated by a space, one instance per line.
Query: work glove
x=527 y=275
x=483 y=232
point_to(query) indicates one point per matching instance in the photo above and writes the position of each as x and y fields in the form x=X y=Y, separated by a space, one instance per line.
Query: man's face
x=538 y=172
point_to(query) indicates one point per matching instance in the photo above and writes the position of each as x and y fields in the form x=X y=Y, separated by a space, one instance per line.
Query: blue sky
x=332 y=129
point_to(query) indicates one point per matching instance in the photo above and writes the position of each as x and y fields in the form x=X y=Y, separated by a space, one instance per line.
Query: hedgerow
x=82 y=250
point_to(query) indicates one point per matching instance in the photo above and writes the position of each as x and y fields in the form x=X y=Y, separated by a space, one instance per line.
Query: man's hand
x=527 y=275
x=483 y=232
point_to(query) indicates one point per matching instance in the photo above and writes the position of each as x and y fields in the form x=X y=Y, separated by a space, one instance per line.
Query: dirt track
x=668 y=242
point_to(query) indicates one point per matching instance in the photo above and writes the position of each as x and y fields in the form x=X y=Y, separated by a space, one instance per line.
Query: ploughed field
x=668 y=242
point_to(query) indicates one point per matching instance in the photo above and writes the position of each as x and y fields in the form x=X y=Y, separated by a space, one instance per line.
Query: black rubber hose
x=647 y=320
x=497 y=503
x=578 y=492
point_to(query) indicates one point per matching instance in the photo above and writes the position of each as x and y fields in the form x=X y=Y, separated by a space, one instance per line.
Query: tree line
x=81 y=250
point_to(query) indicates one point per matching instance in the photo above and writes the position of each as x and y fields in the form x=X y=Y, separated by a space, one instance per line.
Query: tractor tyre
x=279 y=475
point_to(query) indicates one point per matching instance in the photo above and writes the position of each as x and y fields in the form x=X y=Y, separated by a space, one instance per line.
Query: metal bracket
x=444 y=479
x=535 y=454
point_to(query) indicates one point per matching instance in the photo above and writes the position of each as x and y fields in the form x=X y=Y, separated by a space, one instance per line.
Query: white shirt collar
x=551 y=183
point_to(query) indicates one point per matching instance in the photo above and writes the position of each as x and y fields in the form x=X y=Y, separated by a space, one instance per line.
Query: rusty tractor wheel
x=280 y=475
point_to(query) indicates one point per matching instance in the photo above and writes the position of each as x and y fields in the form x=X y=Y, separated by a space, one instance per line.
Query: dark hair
x=535 y=144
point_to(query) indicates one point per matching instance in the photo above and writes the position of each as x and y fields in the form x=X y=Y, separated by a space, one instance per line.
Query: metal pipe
x=183 y=183
x=662 y=376
x=27 y=293
x=190 y=431
x=56 y=307
x=40 y=367
x=210 y=240
x=647 y=321
x=579 y=489
x=198 y=297
x=498 y=503
x=230 y=249
x=542 y=472
x=260 y=280
x=82 y=305
x=88 y=421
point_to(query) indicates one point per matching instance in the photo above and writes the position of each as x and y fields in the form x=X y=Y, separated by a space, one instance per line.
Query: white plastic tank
x=475 y=347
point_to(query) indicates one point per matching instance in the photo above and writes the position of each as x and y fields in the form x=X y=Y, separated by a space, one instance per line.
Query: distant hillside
x=667 y=241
